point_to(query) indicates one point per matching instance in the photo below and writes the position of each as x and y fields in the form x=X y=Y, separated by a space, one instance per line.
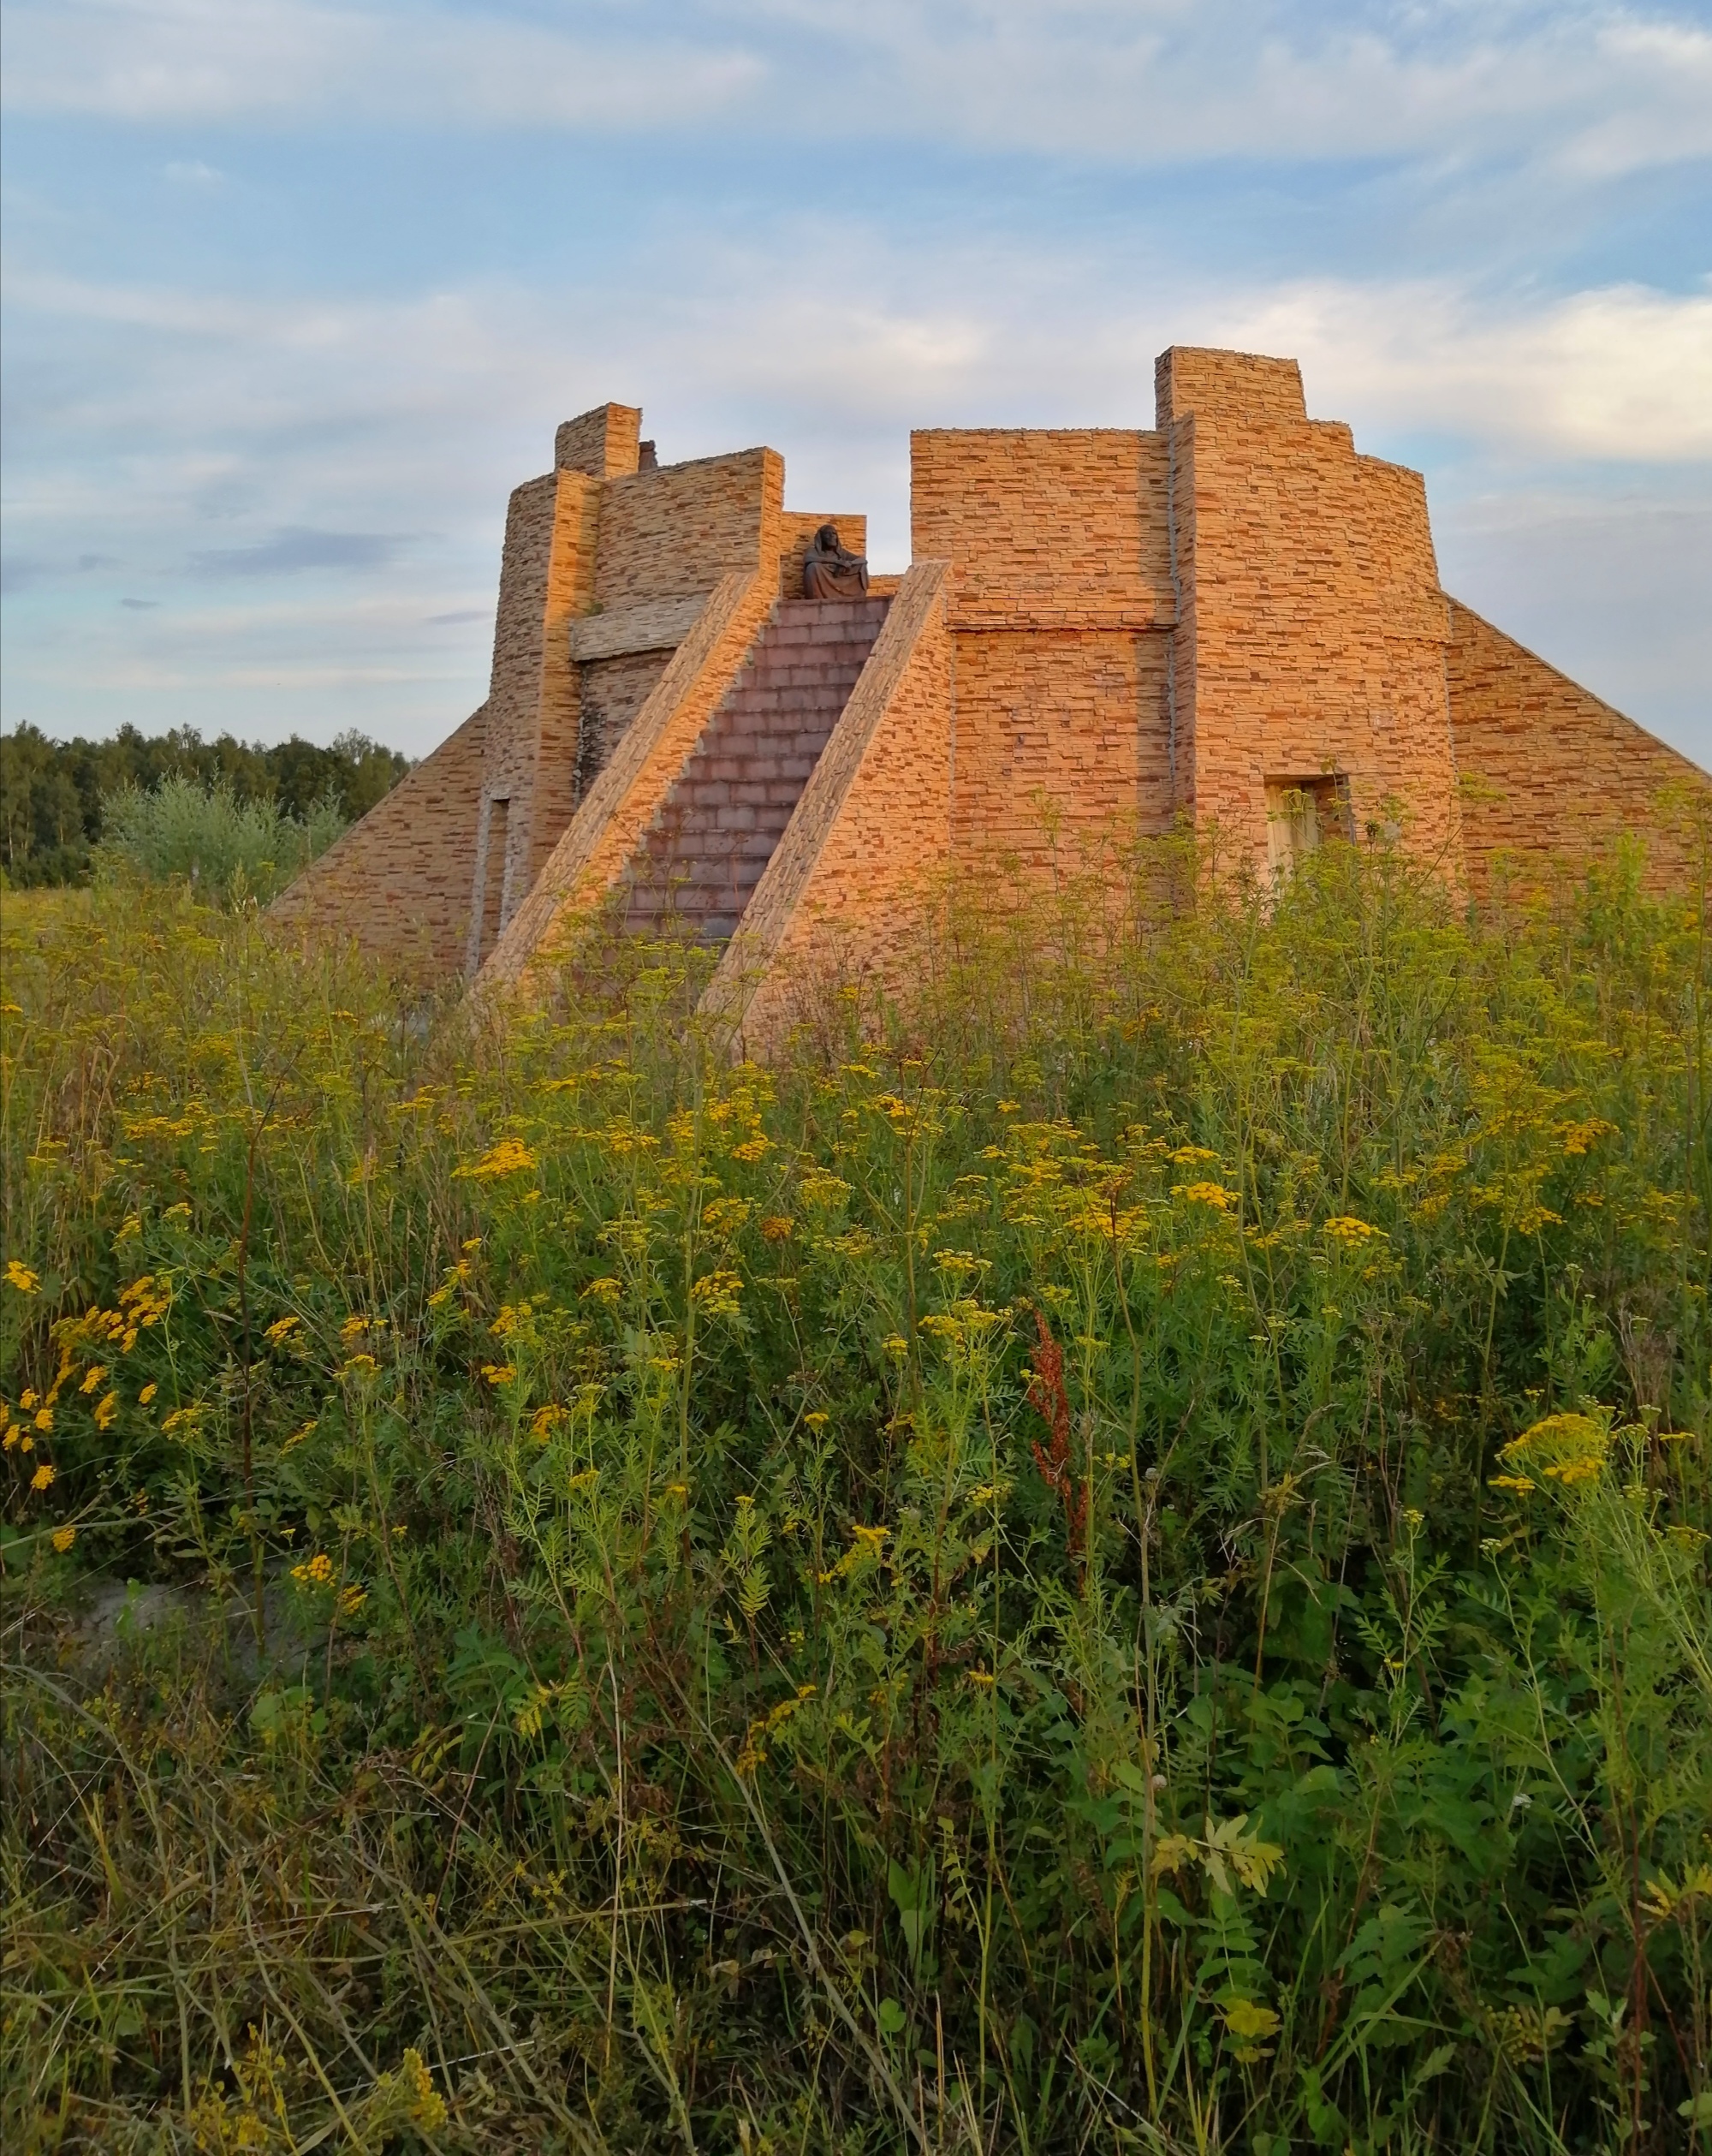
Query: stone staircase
x=716 y=828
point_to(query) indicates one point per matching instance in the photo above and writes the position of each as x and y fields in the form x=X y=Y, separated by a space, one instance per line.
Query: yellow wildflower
x=107 y=1410
x=716 y=1293
x=1567 y=1449
x=280 y=1327
x=20 y=1277
x=1346 y=1229
x=95 y=1372
x=508 y=1158
x=63 y=1539
x=42 y=1478
x=148 y=1393
x=45 y=1418
x=1205 y=1194
x=314 y=1572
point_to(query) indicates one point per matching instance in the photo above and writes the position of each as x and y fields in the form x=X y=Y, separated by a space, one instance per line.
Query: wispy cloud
x=1137 y=81
x=296 y=547
x=1620 y=373
x=175 y=60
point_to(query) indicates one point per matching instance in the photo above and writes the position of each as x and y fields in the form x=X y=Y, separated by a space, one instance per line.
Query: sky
x=295 y=292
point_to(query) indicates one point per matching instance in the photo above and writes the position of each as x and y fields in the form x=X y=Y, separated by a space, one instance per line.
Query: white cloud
x=173 y=60
x=1597 y=88
x=1622 y=373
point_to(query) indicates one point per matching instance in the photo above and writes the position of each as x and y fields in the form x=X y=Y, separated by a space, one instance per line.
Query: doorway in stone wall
x=1302 y=814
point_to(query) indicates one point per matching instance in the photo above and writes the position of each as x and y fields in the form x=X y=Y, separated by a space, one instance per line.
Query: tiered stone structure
x=1232 y=618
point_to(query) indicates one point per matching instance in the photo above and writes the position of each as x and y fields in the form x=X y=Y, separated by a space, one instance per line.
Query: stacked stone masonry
x=1550 y=773
x=1107 y=631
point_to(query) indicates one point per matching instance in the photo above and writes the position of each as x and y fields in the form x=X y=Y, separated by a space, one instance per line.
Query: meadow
x=1115 y=1558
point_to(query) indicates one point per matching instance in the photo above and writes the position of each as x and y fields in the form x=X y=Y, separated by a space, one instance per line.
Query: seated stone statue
x=828 y=572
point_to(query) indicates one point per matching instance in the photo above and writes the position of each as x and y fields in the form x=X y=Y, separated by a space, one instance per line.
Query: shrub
x=225 y=848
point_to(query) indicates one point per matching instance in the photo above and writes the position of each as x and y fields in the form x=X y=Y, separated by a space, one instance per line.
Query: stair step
x=720 y=825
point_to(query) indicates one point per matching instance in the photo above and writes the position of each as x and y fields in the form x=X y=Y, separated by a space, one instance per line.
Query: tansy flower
x=63 y=1539
x=42 y=1478
x=105 y=1412
x=148 y=1393
x=20 y=1277
x=95 y=1372
x=508 y=1158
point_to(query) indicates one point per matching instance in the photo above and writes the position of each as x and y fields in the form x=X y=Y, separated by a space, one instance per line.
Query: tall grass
x=227 y=849
x=1114 y=1559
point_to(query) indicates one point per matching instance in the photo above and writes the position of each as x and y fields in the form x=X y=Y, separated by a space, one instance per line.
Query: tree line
x=51 y=793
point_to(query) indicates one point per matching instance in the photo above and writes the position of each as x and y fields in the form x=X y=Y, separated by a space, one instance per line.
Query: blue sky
x=294 y=294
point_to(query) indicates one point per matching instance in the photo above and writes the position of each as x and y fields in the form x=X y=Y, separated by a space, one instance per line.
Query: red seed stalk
x=1051 y=1403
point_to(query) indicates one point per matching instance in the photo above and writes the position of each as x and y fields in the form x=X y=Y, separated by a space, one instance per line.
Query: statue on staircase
x=828 y=572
